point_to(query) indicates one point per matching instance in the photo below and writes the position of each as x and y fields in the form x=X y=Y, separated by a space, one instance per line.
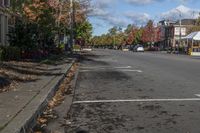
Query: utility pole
x=72 y=17
x=180 y=25
x=58 y=24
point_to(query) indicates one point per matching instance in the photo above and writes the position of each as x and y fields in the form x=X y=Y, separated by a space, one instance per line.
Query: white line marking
x=129 y=70
x=86 y=71
x=123 y=67
x=137 y=100
x=198 y=95
x=102 y=67
x=123 y=70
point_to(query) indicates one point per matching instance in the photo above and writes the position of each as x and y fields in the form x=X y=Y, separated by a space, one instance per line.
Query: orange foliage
x=34 y=10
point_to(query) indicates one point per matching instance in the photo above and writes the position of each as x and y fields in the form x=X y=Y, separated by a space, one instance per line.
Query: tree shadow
x=35 y=66
x=91 y=59
x=4 y=82
x=31 y=70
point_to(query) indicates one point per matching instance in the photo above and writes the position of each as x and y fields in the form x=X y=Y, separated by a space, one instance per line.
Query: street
x=126 y=92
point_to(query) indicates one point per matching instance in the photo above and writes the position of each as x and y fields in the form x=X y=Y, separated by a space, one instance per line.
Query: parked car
x=86 y=49
x=138 y=48
x=125 y=49
x=154 y=49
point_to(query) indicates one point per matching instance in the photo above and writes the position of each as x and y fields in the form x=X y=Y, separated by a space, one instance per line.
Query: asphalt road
x=126 y=92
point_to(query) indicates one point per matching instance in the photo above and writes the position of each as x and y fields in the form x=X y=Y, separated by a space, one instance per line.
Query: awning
x=193 y=36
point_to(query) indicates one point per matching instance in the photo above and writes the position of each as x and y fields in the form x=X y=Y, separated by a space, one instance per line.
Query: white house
x=6 y=21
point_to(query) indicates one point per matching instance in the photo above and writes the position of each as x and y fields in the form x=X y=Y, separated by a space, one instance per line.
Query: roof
x=187 y=22
x=193 y=36
x=167 y=22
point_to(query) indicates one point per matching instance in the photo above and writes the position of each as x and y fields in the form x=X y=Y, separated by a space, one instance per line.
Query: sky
x=108 y=13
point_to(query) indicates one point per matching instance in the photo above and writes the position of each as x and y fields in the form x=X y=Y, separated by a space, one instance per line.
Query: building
x=6 y=21
x=171 y=33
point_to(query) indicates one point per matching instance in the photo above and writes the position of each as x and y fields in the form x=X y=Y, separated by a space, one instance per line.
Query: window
x=11 y=21
x=0 y=30
x=6 y=3
x=6 y=29
x=1 y=2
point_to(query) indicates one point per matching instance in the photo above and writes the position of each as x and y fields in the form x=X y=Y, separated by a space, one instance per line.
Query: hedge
x=10 y=53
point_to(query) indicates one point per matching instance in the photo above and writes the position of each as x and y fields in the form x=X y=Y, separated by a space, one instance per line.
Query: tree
x=113 y=30
x=129 y=28
x=83 y=32
x=148 y=32
x=48 y=18
x=198 y=21
x=194 y=28
x=135 y=36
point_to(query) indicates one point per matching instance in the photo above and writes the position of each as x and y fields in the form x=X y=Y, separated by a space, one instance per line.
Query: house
x=172 y=32
x=6 y=21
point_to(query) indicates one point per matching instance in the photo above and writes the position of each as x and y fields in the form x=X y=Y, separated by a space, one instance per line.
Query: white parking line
x=130 y=70
x=102 y=67
x=198 y=95
x=123 y=70
x=123 y=67
x=136 y=100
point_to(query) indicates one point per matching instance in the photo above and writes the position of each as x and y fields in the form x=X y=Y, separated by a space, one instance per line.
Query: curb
x=23 y=120
x=54 y=126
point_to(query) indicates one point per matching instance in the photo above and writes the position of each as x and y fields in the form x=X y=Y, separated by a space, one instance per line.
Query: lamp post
x=179 y=30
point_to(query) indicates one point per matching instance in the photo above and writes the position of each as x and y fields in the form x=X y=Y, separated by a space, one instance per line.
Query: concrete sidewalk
x=19 y=107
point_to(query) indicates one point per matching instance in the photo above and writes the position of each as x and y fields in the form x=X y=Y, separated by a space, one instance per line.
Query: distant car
x=154 y=49
x=139 y=48
x=125 y=49
x=86 y=49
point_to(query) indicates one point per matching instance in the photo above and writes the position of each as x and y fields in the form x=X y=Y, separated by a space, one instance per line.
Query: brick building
x=170 y=32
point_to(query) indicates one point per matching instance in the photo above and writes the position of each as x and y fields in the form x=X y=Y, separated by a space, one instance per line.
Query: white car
x=140 y=49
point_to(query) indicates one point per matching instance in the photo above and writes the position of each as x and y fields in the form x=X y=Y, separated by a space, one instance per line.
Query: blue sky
x=108 y=13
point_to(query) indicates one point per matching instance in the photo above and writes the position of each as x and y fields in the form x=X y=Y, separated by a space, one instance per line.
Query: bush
x=61 y=46
x=76 y=47
x=10 y=53
x=1 y=54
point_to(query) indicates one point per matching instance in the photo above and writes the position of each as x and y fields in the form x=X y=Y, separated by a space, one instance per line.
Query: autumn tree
x=48 y=18
x=148 y=32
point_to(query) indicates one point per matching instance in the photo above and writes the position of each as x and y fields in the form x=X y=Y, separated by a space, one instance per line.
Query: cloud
x=182 y=10
x=99 y=8
x=147 y=2
x=104 y=3
x=138 y=18
x=116 y=21
x=98 y=12
x=142 y=2
x=102 y=10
